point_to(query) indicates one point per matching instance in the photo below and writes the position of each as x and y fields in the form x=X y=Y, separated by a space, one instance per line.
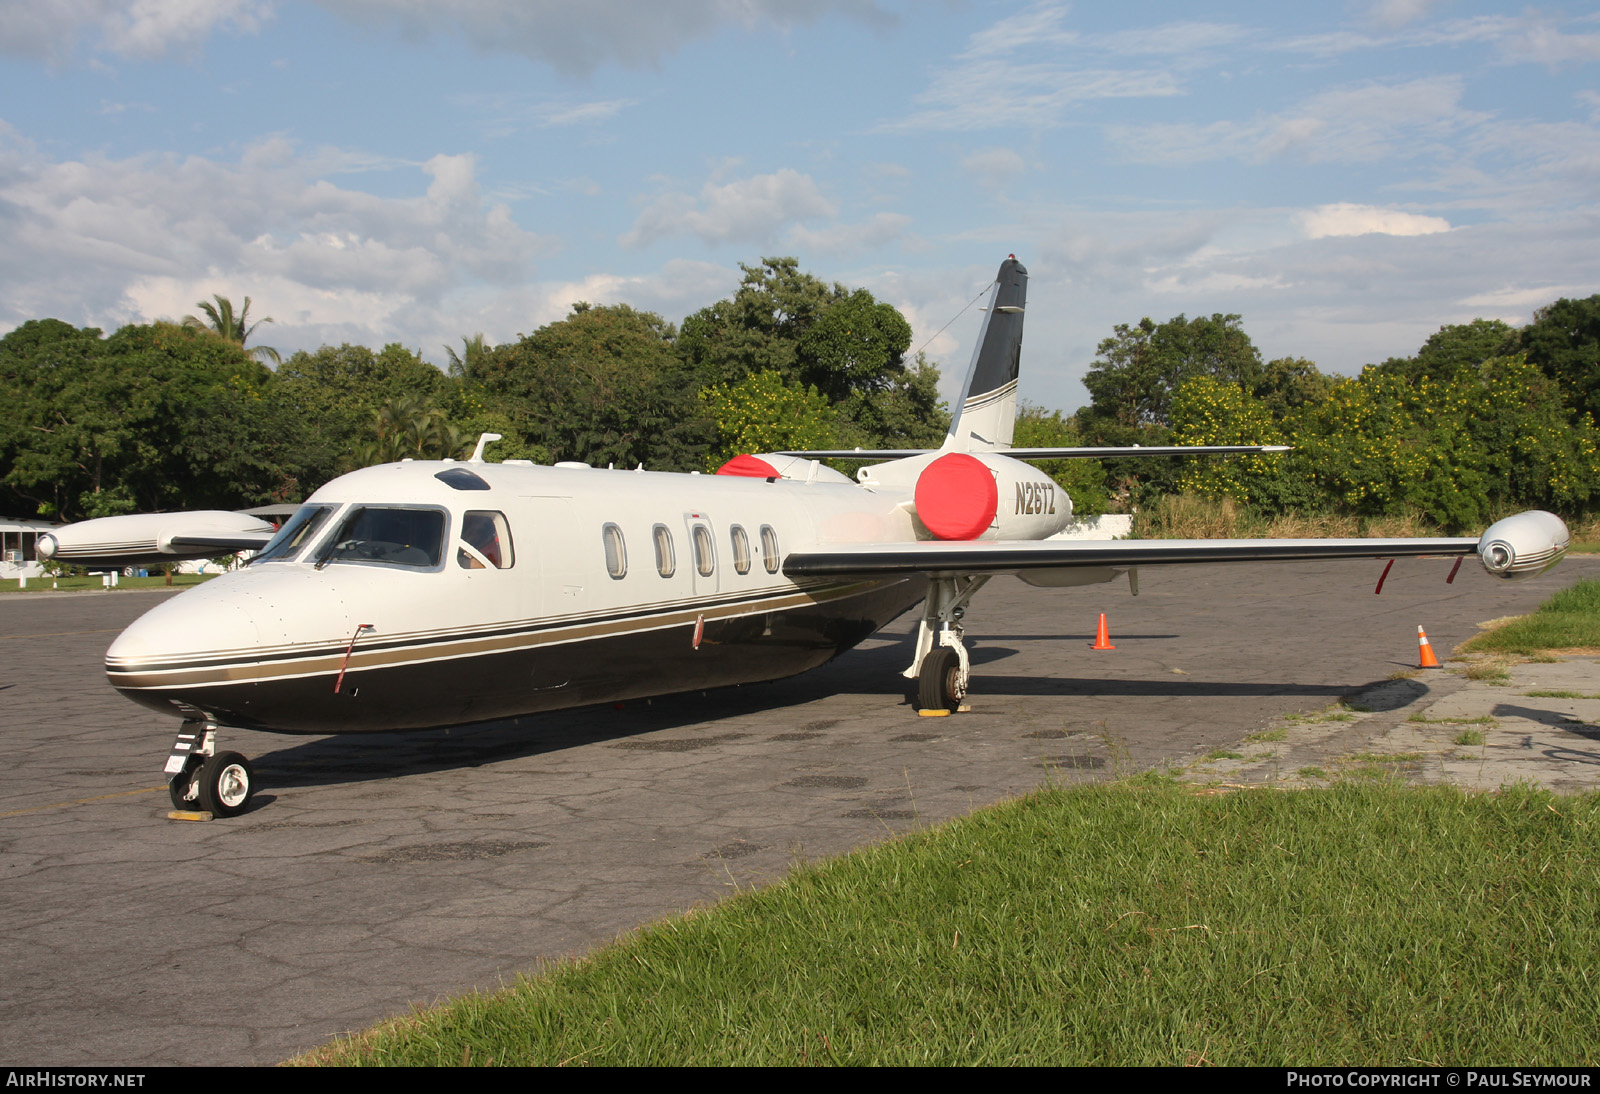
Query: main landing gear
x=201 y=778
x=940 y=666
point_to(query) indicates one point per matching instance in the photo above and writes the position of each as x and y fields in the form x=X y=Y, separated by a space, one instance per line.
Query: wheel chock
x=939 y=713
x=189 y=815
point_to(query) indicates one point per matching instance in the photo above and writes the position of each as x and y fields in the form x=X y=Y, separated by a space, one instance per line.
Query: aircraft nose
x=176 y=640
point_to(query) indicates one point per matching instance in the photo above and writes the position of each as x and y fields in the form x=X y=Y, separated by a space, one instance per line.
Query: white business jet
x=424 y=594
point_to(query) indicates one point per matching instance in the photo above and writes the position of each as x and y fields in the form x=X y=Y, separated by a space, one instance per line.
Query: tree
x=1139 y=368
x=765 y=413
x=1564 y=341
x=845 y=343
x=336 y=391
x=221 y=320
x=604 y=385
x=155 y=417
x=409 y=427
x=1454 y=349
x=1083 y=480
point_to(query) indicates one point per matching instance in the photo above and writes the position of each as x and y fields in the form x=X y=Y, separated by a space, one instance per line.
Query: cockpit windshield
x=392 y=536
x=296 y=532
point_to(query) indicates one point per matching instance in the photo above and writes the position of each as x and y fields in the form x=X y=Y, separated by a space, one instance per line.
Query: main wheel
x=225 y=784
x=939 y=682
x=180 y=788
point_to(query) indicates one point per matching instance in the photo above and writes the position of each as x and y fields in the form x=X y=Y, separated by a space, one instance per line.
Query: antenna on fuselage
x=484 y=441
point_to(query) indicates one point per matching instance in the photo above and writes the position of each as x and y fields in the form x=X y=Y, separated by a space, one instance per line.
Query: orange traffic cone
x=1429 y=661
x=1102 y=638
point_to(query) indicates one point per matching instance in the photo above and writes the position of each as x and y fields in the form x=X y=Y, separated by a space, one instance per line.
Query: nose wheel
x=219 y=783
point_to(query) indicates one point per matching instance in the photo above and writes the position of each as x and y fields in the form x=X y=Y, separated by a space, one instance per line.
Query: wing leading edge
x=1517 y=547
x=938 y=558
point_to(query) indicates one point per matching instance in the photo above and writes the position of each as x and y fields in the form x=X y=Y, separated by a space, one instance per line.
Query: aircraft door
x=703 y=561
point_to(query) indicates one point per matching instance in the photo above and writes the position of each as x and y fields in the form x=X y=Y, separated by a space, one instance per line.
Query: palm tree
x=473 y=350
x=235 y=328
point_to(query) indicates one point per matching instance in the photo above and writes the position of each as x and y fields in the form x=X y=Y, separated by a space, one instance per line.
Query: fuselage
x=424 y=594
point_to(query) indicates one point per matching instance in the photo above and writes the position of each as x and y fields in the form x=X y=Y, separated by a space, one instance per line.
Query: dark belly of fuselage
x=426 y=693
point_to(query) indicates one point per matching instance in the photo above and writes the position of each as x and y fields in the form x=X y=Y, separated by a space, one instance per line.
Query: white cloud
x=507 y=114
x=844 y=239
x=576 y=38
x=748 y=210
x=1362 y=123
x=106 y=241
x=140 y=28
x=1346 y=219
x=1397 y=13
x=1028 y=71
x=993 y=167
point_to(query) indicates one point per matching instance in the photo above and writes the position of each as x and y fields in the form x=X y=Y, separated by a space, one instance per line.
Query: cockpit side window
x=485 y=541
x=296 y=532
x=390 y=536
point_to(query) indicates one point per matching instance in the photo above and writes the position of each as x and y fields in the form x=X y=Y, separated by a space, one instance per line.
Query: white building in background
x=18 y=557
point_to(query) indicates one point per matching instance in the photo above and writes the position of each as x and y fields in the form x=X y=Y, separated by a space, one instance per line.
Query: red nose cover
x=956 y=497
x=752 y=466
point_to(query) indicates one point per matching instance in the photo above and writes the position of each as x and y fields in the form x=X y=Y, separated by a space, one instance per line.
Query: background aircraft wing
x=140 y=539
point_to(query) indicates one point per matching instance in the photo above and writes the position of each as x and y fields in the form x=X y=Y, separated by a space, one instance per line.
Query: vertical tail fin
x=988 y=411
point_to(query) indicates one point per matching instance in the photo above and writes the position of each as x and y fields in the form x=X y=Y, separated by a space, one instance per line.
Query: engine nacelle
x=968 y=496
x=1524 y=546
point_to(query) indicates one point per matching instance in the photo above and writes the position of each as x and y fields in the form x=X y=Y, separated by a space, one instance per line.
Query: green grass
x=43 y=585
x=1568 y=620
x=1546 y=694
x=1469 y=737
x=1141 y=922
x=1224 y=754
x=1269 y=735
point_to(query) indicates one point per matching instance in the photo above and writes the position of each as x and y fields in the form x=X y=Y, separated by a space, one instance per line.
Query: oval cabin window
x=616 y=551
x=741 y=549
x=769 y=548
x=705 y=559
x=666 y=561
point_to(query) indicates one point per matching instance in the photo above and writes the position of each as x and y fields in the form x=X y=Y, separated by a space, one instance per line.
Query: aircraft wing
x=1046 y=453
x=1520 y=546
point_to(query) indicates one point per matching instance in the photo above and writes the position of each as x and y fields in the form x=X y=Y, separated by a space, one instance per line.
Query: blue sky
x=1346 y=177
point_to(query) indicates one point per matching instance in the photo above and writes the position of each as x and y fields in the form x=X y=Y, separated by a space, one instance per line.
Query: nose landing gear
x=200 y=778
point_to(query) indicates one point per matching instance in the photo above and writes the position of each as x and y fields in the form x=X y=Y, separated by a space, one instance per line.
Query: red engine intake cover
x=750 y=466
x=956 y=497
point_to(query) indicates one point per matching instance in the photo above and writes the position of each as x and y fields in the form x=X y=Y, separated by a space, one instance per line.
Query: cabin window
x=485 y=541
x=616 y=551
x=769 y=548
x=666 y=561
x=389 y=536
x=741 y=549
x=296 y=532
x=705 y=559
